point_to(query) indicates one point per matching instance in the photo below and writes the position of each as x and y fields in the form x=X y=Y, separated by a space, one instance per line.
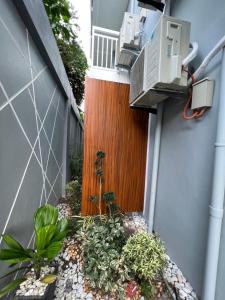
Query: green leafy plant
x=104 y=266
x=75 y=63
x=49 y=235
x=108 y=197
x=63 y=21
x=73 y=195
x=147 y=289
x=76 y=166
x=145 y=255
x=61 y=18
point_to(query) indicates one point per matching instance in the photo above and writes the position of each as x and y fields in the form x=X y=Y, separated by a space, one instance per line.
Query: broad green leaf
x=52 y=250
x=59 y=236
x=11 y=286
x=48 y=279
x=11 y=242
x=44 y=216
x=44 y=236
x=62 y=225
x=13 y=256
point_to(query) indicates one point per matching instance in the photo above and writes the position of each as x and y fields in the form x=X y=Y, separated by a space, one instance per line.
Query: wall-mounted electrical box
x=157 y=72
x=202 y=94
x=129 y=40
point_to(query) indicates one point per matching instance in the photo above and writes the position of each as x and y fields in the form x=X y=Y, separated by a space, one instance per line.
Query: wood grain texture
x=111 y=126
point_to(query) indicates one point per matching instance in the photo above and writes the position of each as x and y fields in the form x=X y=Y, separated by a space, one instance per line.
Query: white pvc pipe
x=219 y=46
x=167 y=7
x=217 y=201
x=147 y=170
x=132 y=7
x=191 y=55
x=156 y=151
x=155 y=167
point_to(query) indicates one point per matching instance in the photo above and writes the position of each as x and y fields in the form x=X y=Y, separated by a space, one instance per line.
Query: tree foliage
x=63 y=21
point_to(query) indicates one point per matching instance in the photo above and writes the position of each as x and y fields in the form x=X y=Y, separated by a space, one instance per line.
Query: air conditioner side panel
x=137 y=77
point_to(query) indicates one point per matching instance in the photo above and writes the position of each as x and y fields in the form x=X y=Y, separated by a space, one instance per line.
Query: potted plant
x=39 y=278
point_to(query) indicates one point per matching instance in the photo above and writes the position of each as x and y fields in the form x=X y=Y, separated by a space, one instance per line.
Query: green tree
x=63 y=21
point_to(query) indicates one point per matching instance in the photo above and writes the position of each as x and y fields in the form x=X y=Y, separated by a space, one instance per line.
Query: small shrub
x=50 y=232
x=108 y=198
x=73 y=195
x=104 y=266
x=145 y=255
x=76 y=164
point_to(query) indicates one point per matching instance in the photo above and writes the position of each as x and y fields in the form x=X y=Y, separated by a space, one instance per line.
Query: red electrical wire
x=195 y=114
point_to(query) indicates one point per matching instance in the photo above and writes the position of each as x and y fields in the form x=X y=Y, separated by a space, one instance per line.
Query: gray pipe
x=155 y=167
x=217 y=201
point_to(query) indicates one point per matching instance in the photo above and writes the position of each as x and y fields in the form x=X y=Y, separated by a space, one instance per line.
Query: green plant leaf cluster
x=108 y=197
x=73 y=196
x=145 y=255
x=75 y=63
x=74 y=188
x=76 y=167
x=104 y=266
x=62 y=18
x=49 y=235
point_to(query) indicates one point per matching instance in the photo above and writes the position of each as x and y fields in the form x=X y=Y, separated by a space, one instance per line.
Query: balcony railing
x=104 y=47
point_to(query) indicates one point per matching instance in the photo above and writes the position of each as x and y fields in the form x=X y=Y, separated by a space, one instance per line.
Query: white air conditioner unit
x=129 y=40
x=157 y=72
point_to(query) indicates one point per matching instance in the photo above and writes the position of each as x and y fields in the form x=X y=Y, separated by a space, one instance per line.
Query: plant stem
x=100 y=197
x=37 y=271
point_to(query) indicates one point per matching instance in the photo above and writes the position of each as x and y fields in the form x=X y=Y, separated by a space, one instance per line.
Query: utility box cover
x=202 y=94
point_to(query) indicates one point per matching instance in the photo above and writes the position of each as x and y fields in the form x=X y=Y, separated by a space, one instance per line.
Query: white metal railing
x=104 y=47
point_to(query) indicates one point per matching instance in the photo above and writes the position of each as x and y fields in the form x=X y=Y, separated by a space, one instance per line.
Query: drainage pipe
x=191 y=55
x=217 y=201
x=218 y=47
x=155 y=167
x=156 y=150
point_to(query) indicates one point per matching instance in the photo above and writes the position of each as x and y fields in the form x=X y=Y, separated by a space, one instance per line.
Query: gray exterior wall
x=34 y=97
x=187 y=154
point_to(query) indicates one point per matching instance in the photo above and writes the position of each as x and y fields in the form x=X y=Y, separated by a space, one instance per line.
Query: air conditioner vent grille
x=137 y=77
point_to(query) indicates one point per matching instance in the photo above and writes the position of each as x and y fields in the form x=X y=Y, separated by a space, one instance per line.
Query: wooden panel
x=111 y=126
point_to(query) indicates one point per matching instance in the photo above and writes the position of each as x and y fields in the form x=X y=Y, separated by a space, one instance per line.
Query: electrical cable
x=196 y=113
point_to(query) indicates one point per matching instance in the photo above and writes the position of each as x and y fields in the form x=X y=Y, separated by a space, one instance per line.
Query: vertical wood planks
x=111 y=126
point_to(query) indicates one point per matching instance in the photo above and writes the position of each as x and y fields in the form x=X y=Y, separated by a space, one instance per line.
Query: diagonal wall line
x=20 y=50
x=32 y=152
x=52 y=188
x=9 y=100
x=12 y=37
x=17 y=194
x=53 y=130
x=53 y=153
x=35 y=109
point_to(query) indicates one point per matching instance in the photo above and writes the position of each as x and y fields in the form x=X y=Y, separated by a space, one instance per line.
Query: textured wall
x=187 y=154
x=32 y=128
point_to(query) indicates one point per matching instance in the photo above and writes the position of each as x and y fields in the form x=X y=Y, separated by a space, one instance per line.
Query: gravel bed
x=33 y=286
x=71 y=285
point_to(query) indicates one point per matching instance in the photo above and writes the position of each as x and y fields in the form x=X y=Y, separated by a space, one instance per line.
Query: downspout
x=217 y=201
x=132 y=6
x=155 y=167
x=156 y=150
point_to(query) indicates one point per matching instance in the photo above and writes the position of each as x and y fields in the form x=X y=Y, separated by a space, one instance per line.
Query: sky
x=83 y=8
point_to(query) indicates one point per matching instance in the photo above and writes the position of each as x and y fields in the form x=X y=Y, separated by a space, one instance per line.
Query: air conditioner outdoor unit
x=129 y=40
x=157 y=72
